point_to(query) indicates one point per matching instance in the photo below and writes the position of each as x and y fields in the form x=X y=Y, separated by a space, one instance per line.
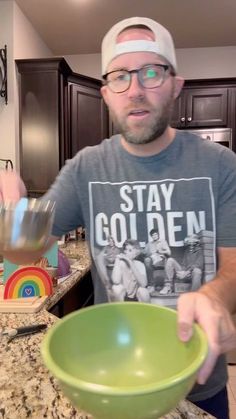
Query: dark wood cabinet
x=232 y=115
x=60 y=113
x=44 y=131
x=89 y=122
x=79 y=296
x=205 y=107
x=207 y=104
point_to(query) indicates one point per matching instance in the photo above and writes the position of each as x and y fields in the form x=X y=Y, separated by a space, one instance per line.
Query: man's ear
x=103 y=91
x=179 y=82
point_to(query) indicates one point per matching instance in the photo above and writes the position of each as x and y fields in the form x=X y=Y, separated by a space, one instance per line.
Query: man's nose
x=135 y=88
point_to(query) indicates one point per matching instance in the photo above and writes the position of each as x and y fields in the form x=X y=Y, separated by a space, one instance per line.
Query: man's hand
x=214 y=319
x=12 y=187
x=125 y=259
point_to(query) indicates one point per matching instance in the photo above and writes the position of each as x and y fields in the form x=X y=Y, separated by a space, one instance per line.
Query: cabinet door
x=201 y=108
x=206 y=107
x=79 y=296
x=231 y=115
x=43 y=121
x=39 y=142
x=89 y=117
x=178 y=113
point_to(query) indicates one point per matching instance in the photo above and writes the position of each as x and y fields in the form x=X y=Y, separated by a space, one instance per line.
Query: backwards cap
x=163 y=44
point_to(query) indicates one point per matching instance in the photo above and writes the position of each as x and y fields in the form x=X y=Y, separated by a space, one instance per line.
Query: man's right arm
x=164 y=248
x=12 y=187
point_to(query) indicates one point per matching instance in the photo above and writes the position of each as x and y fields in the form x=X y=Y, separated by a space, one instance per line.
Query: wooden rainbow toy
x=29 y=281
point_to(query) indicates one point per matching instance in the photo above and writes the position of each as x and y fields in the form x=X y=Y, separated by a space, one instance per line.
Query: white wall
x=27 y=42
x=22 y=42
x=207 y=63
x=7 y=121
x=193 y=63
x=86 y=64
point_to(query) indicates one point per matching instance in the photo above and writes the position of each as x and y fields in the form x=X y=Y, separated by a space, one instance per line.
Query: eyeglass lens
x=148 y=76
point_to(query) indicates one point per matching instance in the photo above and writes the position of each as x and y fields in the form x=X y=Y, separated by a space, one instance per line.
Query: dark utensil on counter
x=23 y=331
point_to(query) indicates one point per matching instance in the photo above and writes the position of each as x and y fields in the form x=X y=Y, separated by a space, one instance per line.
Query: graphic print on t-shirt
x=152 y=241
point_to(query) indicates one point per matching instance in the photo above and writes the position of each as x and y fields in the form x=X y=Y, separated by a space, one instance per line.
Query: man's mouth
x=138 y=113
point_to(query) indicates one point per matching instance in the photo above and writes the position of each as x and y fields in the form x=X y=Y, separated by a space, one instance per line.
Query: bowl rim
x=101 y=389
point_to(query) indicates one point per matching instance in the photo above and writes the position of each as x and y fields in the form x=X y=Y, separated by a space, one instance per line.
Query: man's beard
x=145 y=134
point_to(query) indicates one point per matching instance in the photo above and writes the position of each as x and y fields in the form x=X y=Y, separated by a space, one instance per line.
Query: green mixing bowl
x=123 y=360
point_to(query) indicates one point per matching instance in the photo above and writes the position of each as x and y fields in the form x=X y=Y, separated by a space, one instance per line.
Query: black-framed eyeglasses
x=149 y=76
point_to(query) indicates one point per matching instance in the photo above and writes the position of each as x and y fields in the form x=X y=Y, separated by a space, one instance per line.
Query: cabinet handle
x=189 y=119
x=182 y=119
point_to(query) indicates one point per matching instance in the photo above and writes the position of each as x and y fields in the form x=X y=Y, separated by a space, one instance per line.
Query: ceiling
x=78 y=26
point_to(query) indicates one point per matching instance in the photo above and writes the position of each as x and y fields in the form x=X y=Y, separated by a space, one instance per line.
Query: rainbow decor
x=9 y=267
x=29 y=281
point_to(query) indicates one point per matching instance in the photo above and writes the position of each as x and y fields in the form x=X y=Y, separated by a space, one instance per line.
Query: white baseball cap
x=163 y=44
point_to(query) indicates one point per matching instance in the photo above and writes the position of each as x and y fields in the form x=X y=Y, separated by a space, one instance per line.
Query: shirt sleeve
x=226 y=202
x=68 y=213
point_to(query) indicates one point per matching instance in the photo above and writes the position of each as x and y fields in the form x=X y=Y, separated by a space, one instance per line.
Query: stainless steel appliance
x=219 y=135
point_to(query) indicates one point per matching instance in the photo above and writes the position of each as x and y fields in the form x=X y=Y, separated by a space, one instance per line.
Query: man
x=156 y=251
x=106 y=259
x=129 y=274
x=147 y=178
x=189 y=271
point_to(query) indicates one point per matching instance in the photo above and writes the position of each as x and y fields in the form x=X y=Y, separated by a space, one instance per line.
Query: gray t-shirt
x=187 y=193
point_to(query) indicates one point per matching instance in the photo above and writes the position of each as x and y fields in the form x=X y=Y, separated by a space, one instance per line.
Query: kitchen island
x=27 y=389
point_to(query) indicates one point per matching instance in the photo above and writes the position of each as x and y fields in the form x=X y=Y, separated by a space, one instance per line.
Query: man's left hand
x=214 y=319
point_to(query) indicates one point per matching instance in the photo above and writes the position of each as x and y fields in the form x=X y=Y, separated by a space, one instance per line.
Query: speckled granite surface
x=27 y=390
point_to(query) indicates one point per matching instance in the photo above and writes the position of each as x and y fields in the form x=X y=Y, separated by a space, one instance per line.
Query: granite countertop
x=27 y=390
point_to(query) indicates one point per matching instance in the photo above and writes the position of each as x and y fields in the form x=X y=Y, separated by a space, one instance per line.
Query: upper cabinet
x=207 y=104
x=43 y=111
x=205 y=107
x=88 y=113
x=60 y=113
